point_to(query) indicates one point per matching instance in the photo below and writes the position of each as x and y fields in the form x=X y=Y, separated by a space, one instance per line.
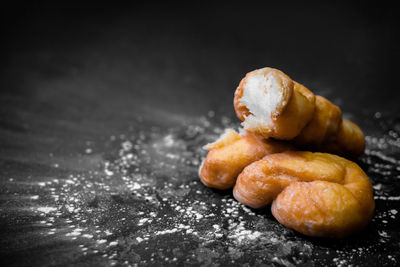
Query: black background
x=182 y=51
x=74 y=72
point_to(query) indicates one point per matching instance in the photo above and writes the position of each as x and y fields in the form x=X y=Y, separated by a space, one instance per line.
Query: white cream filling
x=261 y=96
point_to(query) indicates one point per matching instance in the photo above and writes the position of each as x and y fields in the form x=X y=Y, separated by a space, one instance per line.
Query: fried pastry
x=316 y=194
x=271 y=104
x=228 y=156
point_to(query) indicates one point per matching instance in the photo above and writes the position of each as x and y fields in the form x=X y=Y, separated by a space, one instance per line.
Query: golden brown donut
x=228 y=156
x=316 y=194
x=271 y=104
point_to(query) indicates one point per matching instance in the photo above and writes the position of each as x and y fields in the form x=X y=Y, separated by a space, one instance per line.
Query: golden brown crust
x=241 y=110
x=298 y=113
x=290 y=116
x=311 y=122
x=349 y=141
x=317 y=194
x=304 y=91
x=224 y=163
x=323 y=126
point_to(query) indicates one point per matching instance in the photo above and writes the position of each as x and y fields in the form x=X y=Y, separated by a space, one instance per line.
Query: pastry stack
x=291 y=153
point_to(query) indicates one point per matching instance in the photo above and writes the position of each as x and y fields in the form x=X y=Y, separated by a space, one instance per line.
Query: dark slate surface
x=103 y=112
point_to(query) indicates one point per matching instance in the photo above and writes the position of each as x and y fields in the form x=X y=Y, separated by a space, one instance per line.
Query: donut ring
x=316 y=194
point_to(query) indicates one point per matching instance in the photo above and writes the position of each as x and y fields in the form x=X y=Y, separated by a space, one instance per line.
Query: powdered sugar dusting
x=141 y=203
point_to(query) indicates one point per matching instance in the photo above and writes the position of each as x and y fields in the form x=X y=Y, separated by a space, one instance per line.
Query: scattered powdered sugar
x=143 y=204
